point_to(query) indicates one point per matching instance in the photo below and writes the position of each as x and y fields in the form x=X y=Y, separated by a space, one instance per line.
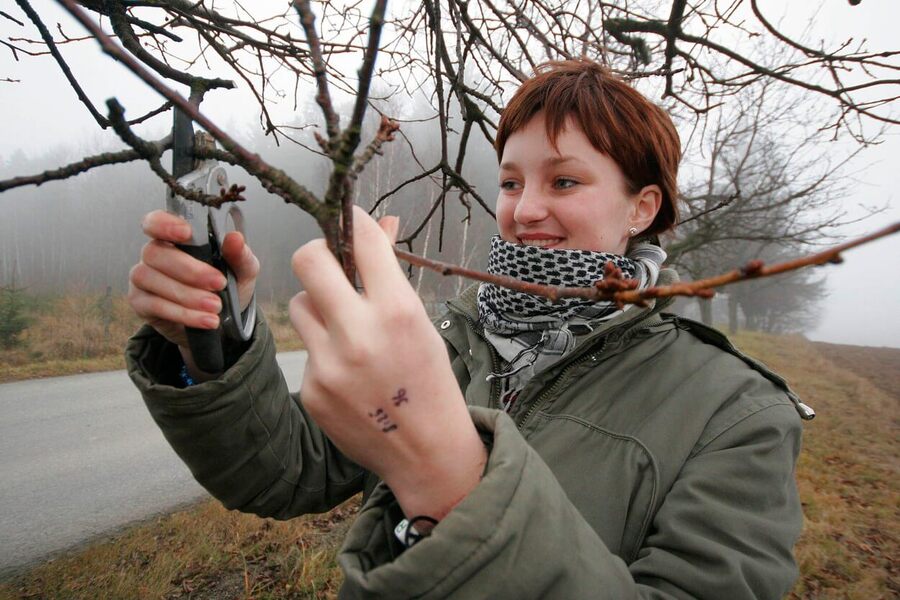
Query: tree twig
x=81 y=166
x=612 y=286
x=151 y=153
x=54 y=51
x=251 y=162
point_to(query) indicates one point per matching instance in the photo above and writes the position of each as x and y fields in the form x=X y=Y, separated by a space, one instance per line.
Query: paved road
x=80 y=457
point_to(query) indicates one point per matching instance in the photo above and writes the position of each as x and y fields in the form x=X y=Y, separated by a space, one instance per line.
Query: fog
x=84 y=233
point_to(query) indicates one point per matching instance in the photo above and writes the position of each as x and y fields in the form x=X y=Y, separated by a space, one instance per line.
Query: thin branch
x=151 y=153
x=293 y=192
x=386 y=131
x=721 y=204
x=611 y=287
x=323 y=97
x=11 y=18
x=82 y=166
x=51 y=46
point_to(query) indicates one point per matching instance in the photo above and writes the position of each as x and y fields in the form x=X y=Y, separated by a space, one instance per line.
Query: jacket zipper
x=494 y=396
x=541 y=400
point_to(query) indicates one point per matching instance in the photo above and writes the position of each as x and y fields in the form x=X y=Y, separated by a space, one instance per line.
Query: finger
x=391 y=227
x=162 y=225
x=174 y=263
x=307 y=321
x=378 y=268
x=324 y=280
x=153 y=282
x=239 y=257
x=151 y=307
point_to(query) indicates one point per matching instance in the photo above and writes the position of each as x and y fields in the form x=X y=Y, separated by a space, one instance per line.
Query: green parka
x=654 y=462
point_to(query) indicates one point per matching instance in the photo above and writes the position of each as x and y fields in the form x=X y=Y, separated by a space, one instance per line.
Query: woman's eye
x=508 y=185
x=564 y=183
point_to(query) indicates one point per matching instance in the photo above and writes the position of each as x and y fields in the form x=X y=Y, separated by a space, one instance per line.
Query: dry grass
x=848 y=473
x=205 y=552
x=847 y=476
x=74 y=334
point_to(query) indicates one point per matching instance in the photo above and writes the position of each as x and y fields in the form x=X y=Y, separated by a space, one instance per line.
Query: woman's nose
x=531 y=207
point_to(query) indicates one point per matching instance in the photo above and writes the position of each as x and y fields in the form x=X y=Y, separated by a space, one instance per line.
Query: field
x=848 y=478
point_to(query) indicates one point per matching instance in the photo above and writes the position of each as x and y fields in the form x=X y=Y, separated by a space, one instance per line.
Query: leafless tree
x=466 y=56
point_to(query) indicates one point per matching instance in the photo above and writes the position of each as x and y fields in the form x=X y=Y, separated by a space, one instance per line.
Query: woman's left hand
x=378 y=379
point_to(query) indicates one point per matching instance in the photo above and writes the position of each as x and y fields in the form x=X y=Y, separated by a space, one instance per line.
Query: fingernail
x=210 y=321
x=219 y=283
x=182 y=232
x=211 y=304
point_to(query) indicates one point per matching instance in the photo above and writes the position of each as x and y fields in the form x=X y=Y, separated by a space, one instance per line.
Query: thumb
x=239 y=257
x=391 y=227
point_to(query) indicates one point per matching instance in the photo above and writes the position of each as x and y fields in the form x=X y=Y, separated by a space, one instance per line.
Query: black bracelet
x=411 y=537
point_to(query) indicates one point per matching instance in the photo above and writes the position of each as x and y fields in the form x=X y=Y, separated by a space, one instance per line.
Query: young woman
x=520 y=449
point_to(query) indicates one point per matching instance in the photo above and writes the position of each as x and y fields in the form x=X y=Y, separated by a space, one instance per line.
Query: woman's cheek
x=506 y=208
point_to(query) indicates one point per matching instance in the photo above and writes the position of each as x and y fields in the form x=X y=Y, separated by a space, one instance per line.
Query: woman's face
x=571 y=196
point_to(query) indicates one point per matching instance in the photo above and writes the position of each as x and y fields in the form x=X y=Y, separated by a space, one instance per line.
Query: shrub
x=13 y=318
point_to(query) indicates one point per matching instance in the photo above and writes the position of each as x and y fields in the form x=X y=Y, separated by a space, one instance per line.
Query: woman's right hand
x=170 y=290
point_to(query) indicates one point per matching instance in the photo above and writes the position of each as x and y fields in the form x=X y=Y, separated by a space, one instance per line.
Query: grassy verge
x=80 y=333
x=203 y=553
x=847 y=476
x=847 y=473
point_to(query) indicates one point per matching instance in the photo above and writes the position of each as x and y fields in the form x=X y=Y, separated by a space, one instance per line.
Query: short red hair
x=619 y=122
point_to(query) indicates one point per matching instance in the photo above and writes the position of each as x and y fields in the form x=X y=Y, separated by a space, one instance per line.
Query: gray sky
x=863 y=292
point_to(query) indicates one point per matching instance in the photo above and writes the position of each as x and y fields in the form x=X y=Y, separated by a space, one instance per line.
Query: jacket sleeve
x=243 y=436
x=724 y=530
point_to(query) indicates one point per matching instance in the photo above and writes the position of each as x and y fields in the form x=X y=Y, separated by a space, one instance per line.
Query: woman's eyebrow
x=555 y=161
x=552 y=161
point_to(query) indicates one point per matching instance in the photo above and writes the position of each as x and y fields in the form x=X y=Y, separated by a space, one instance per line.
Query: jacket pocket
x=611 y=478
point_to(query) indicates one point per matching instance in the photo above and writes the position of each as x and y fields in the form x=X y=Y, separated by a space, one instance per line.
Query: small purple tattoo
x=383 y=420
x=400 y=398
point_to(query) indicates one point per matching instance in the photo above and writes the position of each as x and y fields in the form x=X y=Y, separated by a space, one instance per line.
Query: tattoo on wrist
x=382 y=419
x=400 y=398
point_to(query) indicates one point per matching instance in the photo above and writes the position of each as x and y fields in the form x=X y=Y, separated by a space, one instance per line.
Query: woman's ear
x=645 y=205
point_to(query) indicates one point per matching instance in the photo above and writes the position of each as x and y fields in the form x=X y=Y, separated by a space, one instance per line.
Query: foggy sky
x=42 y=112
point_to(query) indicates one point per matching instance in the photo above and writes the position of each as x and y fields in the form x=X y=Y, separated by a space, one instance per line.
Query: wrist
x=433 y=486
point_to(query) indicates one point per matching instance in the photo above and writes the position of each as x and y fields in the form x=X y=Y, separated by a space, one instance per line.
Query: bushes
x=13 y=318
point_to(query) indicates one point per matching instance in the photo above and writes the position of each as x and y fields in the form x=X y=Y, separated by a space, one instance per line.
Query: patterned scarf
x=530 y=332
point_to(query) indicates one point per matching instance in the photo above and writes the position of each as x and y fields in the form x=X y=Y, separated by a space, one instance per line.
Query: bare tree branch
x=82 y=166
x=623 y=291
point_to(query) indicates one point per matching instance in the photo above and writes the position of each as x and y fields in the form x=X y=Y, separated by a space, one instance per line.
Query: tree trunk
x=732 y=314
x=706 y=313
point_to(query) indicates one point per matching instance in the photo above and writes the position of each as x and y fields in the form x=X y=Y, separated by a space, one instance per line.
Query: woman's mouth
x=541 y=242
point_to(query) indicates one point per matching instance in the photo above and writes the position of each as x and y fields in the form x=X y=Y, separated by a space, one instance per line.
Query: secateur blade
x=235 y=325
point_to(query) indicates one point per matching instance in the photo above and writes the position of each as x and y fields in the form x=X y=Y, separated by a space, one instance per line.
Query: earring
x=632 y=231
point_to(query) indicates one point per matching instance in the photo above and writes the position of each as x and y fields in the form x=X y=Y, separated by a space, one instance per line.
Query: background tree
x=13 y=317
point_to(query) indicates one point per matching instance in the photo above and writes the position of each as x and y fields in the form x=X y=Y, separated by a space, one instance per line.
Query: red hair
x=619 y=122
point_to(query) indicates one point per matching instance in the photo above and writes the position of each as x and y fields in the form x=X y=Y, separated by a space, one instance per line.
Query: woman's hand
x=170 y=290
x=378 y=380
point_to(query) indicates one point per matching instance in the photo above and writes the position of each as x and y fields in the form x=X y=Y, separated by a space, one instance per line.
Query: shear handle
x=235 y=325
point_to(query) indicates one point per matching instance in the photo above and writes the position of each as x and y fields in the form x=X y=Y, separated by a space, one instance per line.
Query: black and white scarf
x=530 y=332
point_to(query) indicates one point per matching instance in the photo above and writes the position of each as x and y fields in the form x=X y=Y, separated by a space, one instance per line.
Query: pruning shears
x=208 y=226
